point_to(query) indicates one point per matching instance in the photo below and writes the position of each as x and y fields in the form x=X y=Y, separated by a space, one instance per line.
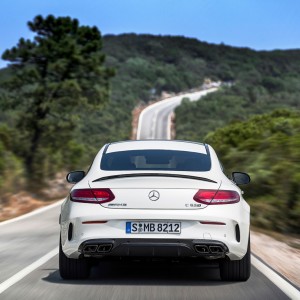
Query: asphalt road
x=29 y=265
x=25 y=241
x=154 y=120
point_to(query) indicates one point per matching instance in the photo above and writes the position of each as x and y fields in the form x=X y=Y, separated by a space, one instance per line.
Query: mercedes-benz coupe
x=155 y=199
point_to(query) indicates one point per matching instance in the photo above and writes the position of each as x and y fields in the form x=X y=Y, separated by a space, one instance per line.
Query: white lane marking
x=153 y=127
x=285 y=286
x=20 y=275
x=30 y=214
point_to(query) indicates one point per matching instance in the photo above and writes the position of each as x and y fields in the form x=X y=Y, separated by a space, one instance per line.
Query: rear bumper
x=113 y=229
x=173 y=248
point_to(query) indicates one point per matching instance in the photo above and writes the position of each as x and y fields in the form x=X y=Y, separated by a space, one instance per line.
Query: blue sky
x=258 y=24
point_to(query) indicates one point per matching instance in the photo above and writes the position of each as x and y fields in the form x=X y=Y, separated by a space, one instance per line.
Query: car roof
x=157 y=144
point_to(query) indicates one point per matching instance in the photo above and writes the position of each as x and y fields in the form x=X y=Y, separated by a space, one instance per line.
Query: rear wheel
x=237 y=270
x=72 y=268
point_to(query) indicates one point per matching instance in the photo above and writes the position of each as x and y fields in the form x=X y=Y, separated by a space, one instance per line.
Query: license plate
x=153 y=227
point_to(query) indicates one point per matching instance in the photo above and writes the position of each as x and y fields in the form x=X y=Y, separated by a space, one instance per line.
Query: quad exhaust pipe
x=216 y=249
x=104 y=248
x=210 y=249
x=203 y=249
x=100 y=248
x=90 y=248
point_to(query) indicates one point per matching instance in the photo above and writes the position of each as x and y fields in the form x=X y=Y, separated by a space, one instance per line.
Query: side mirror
x=75 y=176
x=240 y=178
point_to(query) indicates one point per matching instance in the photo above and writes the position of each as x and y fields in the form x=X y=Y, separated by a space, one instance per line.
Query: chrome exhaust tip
x=203 y=249
x=216 y=249
x=104 y=248
x=90 y=248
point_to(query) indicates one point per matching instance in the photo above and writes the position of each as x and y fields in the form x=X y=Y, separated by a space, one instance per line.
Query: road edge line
x=32 y=213
x=27 y=270
x=280 y=282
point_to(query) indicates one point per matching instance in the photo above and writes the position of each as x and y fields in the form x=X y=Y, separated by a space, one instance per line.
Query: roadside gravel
x=283 y=258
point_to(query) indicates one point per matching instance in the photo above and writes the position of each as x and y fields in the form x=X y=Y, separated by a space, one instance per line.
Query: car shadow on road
x=149 y=273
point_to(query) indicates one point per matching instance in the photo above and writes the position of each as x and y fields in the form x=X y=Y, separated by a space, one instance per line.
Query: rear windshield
x=156 y=160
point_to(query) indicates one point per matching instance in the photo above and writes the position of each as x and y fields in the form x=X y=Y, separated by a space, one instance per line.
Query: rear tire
x=237 y=270
x=72 y=268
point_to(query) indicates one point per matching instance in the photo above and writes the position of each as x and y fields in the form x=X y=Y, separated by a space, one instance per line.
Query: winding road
x=154 y=121
x=29 y=260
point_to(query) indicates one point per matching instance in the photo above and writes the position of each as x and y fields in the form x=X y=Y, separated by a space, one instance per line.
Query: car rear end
x=145 y=200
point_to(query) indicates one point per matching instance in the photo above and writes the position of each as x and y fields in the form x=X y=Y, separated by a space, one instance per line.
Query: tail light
x=214 y=197
x=92 y=195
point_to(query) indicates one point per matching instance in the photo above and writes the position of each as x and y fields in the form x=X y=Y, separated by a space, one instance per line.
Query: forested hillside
x=145 y=66
x=234 y=122
x=266 y=146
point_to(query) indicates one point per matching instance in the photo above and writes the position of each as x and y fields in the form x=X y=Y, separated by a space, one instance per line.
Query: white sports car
x=155 y=199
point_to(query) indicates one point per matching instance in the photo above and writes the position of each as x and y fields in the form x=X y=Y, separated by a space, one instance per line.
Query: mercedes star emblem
x=153 y=195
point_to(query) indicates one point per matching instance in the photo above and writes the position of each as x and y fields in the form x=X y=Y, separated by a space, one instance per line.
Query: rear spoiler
x=153 y=175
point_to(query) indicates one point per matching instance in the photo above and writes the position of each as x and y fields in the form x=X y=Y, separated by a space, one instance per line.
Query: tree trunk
x=34 y=168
